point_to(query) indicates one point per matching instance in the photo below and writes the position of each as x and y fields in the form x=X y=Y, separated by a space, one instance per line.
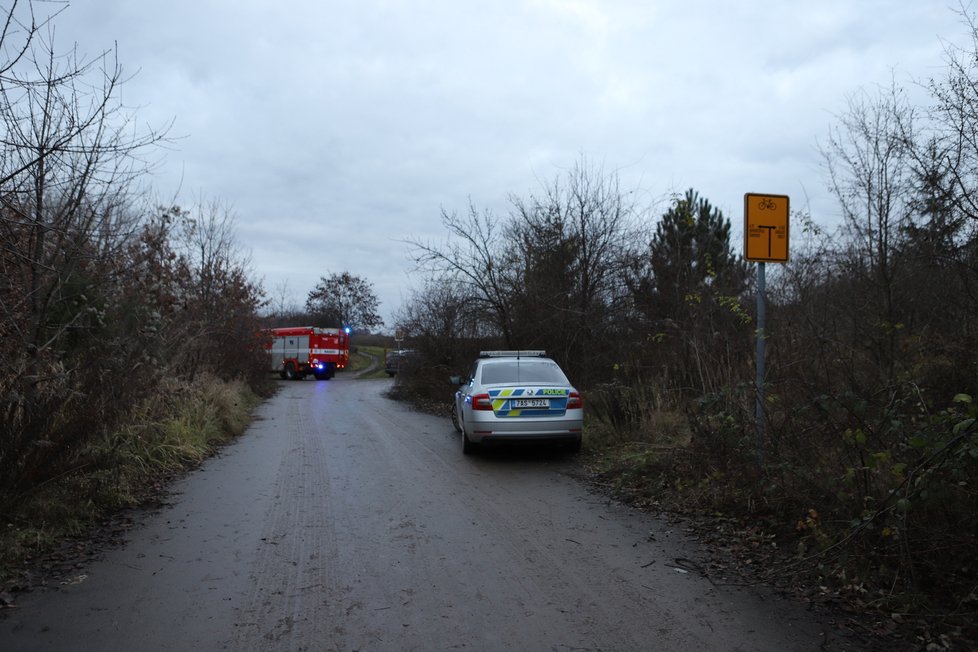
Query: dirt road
x=343 y=521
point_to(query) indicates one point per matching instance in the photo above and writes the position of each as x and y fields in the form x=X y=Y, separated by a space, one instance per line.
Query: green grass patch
x=365 y=356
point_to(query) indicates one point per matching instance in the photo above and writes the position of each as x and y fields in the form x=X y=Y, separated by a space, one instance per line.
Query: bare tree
x=440 y=321
x=571 y=245
x=870 y=166
x=344 y=300
x=219 y=300
x=473 y=255
x=284 y=308
x=69 y=158
x=947 y=168
x=954 y=115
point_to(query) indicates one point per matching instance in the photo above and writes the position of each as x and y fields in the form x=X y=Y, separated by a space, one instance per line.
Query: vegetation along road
x=343 y=521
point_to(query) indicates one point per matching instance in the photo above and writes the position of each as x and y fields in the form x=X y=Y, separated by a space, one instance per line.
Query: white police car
x=515 y=396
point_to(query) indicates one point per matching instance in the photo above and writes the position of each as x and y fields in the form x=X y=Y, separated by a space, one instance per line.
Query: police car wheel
x=468 y=447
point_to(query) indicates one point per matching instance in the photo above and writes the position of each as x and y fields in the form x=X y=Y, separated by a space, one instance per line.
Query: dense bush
x=104 y=298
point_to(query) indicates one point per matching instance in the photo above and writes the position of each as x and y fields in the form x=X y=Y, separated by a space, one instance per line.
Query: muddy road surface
x=344 y=521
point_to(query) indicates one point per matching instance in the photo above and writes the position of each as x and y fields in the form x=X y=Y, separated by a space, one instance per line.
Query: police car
x=515 y=396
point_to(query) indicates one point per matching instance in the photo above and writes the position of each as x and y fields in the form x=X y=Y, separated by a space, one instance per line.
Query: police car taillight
x=481 y=402
x=574 y=401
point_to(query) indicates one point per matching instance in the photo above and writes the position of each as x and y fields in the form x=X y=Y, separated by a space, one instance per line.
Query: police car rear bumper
x=498 y=430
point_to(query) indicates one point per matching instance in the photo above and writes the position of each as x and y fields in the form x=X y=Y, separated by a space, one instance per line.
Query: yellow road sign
x=766 y=228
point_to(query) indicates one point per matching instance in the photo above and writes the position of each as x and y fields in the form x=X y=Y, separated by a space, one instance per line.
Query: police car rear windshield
x=541 y=372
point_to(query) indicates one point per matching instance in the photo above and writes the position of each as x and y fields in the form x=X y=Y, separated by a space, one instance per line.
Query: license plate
x=531 y=403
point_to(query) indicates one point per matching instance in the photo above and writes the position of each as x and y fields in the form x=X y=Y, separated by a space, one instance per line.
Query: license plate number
x=531 y=403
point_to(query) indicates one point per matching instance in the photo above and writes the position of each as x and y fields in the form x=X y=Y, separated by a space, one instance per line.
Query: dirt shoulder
x=745 y=551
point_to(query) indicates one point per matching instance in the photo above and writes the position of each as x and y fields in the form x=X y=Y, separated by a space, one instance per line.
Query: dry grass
x=620 y=414
x=176 y=429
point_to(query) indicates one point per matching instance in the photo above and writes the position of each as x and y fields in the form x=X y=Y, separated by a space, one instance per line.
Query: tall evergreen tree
x=689 y=288
x=690 y=260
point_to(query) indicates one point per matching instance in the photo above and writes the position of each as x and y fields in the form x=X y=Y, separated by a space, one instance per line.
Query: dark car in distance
x=394 y=359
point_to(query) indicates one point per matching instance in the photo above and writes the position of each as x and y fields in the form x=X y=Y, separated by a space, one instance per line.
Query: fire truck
x=297 y=351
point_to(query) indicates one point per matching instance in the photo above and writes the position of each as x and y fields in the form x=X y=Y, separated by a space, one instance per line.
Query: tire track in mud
x=293 y=566
x=375 y=505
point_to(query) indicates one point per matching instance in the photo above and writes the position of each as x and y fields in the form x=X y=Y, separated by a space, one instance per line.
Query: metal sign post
x=759 y=366
x=765 y=241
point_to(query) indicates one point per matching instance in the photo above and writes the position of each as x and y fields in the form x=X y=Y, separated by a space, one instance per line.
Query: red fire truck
x=299 y=350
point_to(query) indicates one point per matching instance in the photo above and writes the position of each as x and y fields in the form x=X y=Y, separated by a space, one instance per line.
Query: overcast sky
x=337 y=129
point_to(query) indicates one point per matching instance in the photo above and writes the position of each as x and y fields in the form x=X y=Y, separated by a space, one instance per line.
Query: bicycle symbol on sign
x=766 y=204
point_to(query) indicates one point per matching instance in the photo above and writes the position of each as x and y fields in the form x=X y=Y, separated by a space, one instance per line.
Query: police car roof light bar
x=532 y=353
